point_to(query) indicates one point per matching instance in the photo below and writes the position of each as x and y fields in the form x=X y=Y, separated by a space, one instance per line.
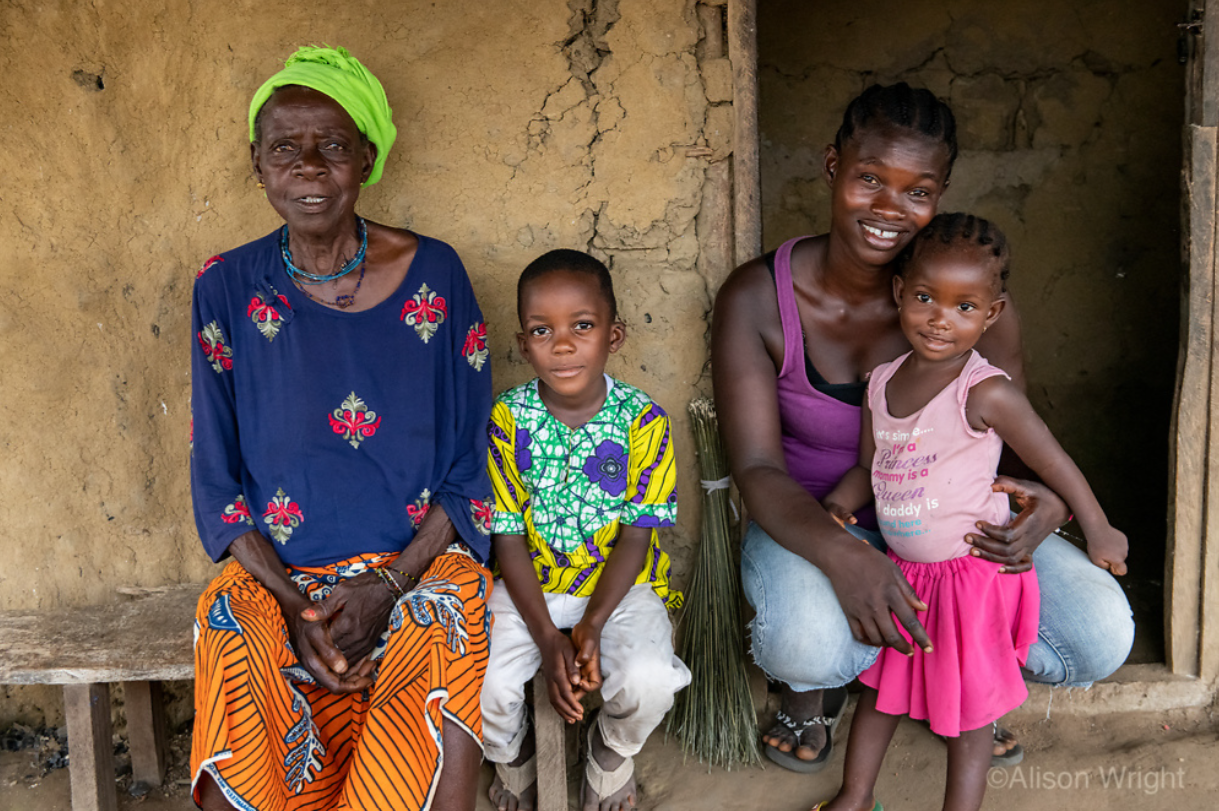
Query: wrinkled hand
x=562 y=675
x=1107 y=549
x=354 y=615
x=317 y=653
x=1012 y=545
x=872 y=591
x=587 y=642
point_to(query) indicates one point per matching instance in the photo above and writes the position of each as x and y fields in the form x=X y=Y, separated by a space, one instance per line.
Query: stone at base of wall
x=1133 y=688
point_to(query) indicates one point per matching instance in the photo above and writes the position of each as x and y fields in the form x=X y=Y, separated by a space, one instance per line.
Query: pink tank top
x=932 y=472
x=820 y=434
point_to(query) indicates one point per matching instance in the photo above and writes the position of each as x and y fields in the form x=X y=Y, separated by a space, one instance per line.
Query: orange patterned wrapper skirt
x=273 y=740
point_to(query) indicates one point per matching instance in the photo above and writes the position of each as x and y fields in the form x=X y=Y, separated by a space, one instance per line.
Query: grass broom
x=713 y=717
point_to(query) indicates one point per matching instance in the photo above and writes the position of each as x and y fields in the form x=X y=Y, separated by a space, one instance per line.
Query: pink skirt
x=981 y=624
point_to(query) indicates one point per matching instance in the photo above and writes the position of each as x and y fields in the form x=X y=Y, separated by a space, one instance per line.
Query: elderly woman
x=340 y=395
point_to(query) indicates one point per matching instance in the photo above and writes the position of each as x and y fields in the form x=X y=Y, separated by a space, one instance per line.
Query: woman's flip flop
x=834 y=705
x=1012 y=757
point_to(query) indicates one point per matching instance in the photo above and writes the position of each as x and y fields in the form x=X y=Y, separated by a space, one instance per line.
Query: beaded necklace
x=342 y=302
x=305 y=277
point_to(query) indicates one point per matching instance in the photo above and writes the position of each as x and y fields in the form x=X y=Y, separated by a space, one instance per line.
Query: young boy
x=583 y=471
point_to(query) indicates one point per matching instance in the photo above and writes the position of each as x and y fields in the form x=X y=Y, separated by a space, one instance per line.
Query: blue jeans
x=801 y=637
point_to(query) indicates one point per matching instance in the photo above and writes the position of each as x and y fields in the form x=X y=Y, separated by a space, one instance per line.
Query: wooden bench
x=140 y=643
x=549 y=733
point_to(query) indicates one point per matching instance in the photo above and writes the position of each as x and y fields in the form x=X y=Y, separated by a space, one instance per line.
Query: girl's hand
x=587 y=642
x=562 y=675
x=1107 y=549
x=1012 y=545
x=839 y=514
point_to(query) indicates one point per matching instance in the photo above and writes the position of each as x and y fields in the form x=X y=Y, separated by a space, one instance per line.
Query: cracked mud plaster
x=523 y=126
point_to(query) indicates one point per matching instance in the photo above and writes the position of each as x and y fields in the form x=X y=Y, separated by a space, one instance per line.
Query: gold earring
x=261 y=185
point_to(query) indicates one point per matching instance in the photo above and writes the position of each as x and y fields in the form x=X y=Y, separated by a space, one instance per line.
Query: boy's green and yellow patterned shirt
x=567 y=491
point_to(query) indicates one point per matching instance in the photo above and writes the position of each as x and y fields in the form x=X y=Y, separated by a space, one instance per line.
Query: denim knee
x=1087 y=627
x=799 y=634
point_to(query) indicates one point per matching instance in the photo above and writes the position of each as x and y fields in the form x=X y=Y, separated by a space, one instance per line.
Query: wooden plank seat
x=549 y=736
x=140 y=642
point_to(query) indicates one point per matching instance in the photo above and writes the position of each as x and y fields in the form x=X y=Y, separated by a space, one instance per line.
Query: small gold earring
x=261 y=185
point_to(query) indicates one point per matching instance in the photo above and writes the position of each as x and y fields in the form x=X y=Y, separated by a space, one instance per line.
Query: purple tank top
x=820 y=434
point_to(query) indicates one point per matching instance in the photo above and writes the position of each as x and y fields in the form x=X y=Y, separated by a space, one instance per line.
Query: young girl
x=934 y=424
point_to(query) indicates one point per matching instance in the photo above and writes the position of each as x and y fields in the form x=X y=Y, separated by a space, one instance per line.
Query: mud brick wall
x=523 y=126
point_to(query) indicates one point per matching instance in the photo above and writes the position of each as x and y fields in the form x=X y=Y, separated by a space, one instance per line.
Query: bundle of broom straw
x=714 y=717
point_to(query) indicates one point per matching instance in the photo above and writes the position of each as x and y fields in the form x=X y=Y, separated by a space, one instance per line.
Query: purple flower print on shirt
x=606 y=468
x=524 y=456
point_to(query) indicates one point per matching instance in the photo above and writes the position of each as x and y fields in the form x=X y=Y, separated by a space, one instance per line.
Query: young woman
x=793 y=337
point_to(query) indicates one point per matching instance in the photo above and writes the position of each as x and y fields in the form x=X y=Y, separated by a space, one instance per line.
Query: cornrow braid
x=958 y=228
x=903 y=106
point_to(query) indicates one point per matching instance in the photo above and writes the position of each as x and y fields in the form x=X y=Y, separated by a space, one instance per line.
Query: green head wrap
x=340 y=75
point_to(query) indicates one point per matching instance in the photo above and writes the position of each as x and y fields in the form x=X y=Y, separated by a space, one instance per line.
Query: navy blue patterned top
x=333 y=432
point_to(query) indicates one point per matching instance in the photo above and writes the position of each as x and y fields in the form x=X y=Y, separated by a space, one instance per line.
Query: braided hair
x=966 y=230
x=902 y=106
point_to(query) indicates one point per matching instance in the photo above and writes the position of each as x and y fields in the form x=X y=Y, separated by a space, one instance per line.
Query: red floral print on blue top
x=425 y=311
x=282 y=516
x=218 y=353
x=354 y=421
x=482 y=513
x=265 y=316
x=419 y=509
x=208 y=264
x=475 y=349
x=237 y=512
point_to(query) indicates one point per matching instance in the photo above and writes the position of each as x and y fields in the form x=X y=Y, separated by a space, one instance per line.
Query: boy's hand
x=1107 y=549
x=562 y=675
x=839 y=514
x=587 y=642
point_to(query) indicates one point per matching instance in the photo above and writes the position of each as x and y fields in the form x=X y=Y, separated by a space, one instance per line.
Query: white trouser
x=639 y=669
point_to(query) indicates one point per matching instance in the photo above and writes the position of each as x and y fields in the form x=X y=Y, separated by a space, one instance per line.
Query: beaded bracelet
x=390 y=583
x=409 y=577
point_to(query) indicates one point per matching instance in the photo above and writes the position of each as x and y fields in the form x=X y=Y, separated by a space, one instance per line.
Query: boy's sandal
x=833 y=706
x=605 y=783
x=518 y=778
x=820 y=805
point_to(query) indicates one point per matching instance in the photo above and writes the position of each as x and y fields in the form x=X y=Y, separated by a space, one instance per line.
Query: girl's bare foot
x=607 y=760
x=799 y=707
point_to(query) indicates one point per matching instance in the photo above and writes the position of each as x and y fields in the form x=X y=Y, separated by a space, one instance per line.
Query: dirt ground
x=1120 y=761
